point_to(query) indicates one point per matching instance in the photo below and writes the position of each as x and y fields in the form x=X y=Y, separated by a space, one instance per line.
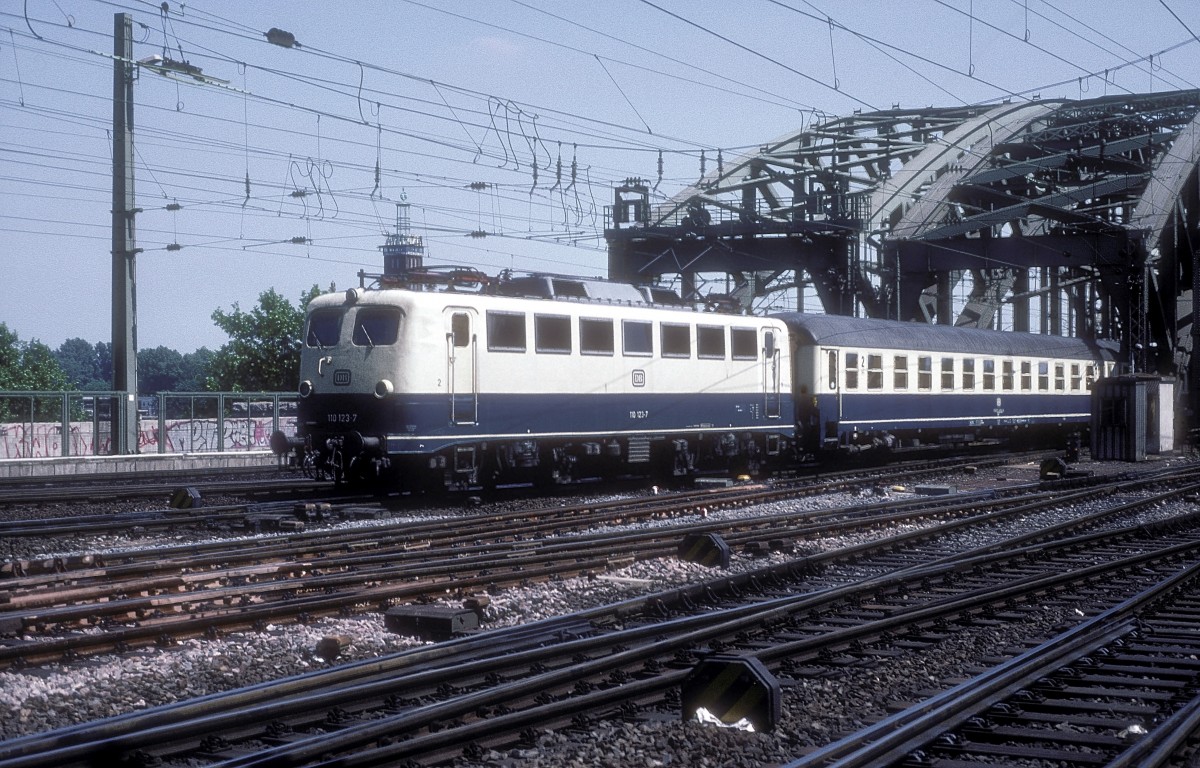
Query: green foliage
x=263 y=353
x=28 y=365
x=88 y=367
x=159 y=370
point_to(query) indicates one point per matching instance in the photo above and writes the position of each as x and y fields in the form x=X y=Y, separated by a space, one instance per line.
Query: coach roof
x=870 y=333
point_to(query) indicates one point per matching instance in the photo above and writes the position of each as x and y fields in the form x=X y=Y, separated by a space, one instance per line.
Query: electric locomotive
x=541 y=379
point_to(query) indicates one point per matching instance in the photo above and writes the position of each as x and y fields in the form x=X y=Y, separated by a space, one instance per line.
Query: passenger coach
x=864 y=383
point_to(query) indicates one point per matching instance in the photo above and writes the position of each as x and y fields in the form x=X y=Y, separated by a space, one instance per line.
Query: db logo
x=639 y=377
x=341 y=377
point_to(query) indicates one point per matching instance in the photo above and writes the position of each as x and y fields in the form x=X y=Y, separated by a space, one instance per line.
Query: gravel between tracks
x=815 y=710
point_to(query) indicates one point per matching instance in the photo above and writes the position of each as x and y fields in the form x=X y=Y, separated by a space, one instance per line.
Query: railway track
x=796 y=616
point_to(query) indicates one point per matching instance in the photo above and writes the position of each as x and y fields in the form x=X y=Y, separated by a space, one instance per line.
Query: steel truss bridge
x=1049 y=216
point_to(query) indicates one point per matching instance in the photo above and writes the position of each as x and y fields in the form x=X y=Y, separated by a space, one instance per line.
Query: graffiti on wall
x=39 y=440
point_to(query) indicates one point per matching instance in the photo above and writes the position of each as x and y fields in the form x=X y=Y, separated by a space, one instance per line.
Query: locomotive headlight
x=352 y=295
x=383 y=388
x=306 y=388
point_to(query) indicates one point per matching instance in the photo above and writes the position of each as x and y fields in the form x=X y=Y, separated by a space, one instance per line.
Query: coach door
x=462 y=360
x=771 y=374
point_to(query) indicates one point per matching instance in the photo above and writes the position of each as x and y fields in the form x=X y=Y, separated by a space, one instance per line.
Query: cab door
x=771 y=373
x=462 y=363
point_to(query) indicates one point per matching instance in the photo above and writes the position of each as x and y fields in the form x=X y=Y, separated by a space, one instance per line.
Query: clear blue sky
x=441 y=95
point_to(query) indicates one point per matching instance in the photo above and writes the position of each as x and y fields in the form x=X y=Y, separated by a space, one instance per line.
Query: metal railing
x=39 y=424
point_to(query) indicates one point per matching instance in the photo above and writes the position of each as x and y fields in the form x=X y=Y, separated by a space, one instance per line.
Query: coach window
x=1060 y=378
x=675 y=340
x=947 y=373
x=506 y=331
x=324 y=327
x=1026 y=376
x=968 y=373
x=1044 y=376
x=874 y=371
x=925 y=373
x=376 y=326
x=744 y=342
x=552 y=334
x=989 y=374
x=1006 y=375
x=638 y=338
x=710 y=342
x=1076 y=377
x=900 y=372
x=595 y=336
x=851 y=370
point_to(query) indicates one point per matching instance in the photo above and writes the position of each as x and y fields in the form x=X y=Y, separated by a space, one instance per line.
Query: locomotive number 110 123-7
x=341 y=418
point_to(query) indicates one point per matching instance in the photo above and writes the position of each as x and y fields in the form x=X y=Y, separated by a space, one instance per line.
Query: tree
x=79 y=362
x=263 y=354
x=28 y=365
x=159 y=370
x=193 y=375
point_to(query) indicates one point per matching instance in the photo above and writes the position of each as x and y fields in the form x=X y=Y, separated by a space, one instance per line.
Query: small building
x=1133 y=417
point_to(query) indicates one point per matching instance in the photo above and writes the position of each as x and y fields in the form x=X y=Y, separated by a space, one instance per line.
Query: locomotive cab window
x=595 y=336
x=676 y=340
x=637 y=338
x=376 y=326
x=506 y=331
x=552 y=334
x=710 y=342
x=744 y=342
x=324 y=327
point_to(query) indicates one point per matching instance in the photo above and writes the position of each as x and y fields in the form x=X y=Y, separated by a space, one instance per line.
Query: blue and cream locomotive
x=545 y=379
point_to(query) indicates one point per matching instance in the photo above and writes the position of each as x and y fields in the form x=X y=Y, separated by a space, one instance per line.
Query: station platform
x=74 y=466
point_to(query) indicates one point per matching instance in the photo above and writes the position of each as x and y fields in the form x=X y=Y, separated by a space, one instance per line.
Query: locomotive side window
x=595 y=336
x=638 y=338
x=324 y=327
x=968 y=373
x=676 y=340
x=1006 y=377
x=744 y=342
x=710 y=342
x=948 y=373
x=874 y=371
x=460 y=328
x=900 y=372
x=552 y=334
x=1026 y=376
x=1076 y=377
x=1090 y=375
x=989 y=374
x=1060 y=379
x=1044 y=376
x=506 y=331
x=376 y=327
x=925 y=372
x=851 y=370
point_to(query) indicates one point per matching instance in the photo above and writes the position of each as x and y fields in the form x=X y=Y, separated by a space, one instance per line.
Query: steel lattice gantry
x=1065 y=217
